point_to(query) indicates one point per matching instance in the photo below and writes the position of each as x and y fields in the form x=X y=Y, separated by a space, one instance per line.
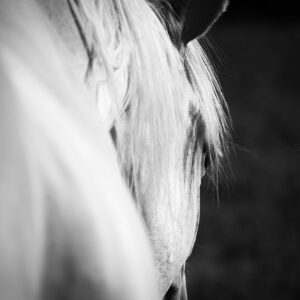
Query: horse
x=159 y=98
x=68 y=225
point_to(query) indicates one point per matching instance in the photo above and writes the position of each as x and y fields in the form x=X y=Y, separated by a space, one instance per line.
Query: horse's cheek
x=172 y=229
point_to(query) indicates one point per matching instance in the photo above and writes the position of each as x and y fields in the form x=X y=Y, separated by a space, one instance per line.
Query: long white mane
x=173 y=104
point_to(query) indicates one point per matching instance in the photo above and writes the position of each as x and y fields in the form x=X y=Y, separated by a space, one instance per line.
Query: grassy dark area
x=249 y=247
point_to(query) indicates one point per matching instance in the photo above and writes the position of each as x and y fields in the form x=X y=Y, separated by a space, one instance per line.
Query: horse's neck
x=59 y=173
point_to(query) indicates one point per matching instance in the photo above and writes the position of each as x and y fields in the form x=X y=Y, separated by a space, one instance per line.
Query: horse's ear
x=197 y=16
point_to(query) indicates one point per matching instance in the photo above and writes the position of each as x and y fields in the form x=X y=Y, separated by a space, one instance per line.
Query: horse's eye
x=206 y=161
x=206 y=156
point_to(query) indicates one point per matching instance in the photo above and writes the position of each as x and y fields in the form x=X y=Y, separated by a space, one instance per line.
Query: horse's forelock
x=210 y=104
x=208 y=101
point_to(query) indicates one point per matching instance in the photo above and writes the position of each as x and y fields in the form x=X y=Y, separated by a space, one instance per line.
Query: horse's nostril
x=177 y=290
x=172 y=293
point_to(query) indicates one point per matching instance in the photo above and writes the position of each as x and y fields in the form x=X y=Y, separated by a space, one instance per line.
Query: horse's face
x=171 y=212
x=171 y=215
x=164 y=196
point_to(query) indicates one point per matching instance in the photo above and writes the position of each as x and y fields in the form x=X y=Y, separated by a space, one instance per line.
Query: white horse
x=157 y=94
x=68 y=226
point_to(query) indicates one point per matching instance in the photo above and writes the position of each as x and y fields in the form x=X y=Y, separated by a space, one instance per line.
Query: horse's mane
x=173 y=103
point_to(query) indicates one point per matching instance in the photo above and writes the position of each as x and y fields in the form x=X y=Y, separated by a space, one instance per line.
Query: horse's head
x=167 y=143
x=159 y=96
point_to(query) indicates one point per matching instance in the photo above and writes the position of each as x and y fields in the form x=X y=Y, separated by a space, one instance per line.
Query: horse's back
x=68 y=227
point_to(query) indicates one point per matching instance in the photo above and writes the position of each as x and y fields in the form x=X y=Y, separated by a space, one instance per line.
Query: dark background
x=249 y=246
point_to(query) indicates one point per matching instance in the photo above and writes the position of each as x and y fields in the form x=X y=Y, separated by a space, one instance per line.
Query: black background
x=248 y=247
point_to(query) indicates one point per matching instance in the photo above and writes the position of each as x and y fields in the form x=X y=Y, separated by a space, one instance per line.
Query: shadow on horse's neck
x=61 y=17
